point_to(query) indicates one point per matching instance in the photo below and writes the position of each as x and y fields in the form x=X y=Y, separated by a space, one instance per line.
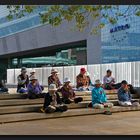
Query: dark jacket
x=67 y=92
x=56 y=81
x=123 y=95
x=22 y=81
x=48 y=99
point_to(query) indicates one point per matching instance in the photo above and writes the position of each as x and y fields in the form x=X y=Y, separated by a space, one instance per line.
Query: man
x=82 y=80
x=68 y=94
x=35 y=89
x=99 y=99
x=23 y=81
x=54 y=79
x=53 y=103
x=124 y=95
x=109 y=81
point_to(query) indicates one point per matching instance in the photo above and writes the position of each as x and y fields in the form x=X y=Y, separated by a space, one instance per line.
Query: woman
x=34 y=89
x=68 y=95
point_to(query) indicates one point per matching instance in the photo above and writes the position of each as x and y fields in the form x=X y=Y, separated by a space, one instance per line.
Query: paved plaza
x=119 y=123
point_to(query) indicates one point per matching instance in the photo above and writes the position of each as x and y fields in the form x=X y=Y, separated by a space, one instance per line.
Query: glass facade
x=72 y=56
x=120 y=42
x=17 y=25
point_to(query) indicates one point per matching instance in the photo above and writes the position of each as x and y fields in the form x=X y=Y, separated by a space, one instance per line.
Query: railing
x=129 y=71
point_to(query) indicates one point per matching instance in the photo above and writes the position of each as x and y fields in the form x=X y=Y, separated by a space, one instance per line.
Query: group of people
x=53 y=102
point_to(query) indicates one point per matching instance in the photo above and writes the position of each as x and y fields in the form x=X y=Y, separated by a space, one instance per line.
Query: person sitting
x=23 y=81
x=34 y=89
x=32 y=73
x=109 y=81
x=54 y=79
x=82 y=80
x=3 y=88
x=99 y=98
x=53 y=102
x=90 y=84
x=124 y=95
x=68 y=94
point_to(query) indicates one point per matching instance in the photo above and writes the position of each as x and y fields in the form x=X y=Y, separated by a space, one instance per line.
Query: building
x=120 y=42
x=26 y=42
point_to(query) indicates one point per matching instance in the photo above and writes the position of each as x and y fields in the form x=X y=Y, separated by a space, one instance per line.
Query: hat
x=97 y=82
x=124 y=82
x=108 y=70
x=66 y=80
x=33 y=78
x=33 y=70
x=54 y=71
x=52 y=87
x=83 y=70
x=23 y=69
x=87 y=73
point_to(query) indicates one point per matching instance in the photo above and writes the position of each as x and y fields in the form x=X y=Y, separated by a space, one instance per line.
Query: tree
x=55 y=14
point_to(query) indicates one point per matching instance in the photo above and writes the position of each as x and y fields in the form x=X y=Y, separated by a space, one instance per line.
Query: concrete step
x=115 y=102
x=18 y=102
x=71 y=112
x=80 y=93
x=110 y=97
x=6 y=95
x=20 y=109
x=36 y=107
x=12 y=96
x=86 y=93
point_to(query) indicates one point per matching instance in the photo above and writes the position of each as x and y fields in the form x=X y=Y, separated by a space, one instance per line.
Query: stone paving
x=118 y=123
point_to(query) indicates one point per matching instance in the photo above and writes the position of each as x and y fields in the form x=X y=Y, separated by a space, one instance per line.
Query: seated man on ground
x=109 y=81
x=68 y=94
x=54 y=79
x=2 y=87
x=34 y=89
x=82 y=80
x=99 y=99
x=124 y=95
x=23 y=81
x=53 y=102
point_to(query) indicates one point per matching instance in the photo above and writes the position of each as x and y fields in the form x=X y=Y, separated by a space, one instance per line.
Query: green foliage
x=138 y=13
x=55 y=14
x=112 y=20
